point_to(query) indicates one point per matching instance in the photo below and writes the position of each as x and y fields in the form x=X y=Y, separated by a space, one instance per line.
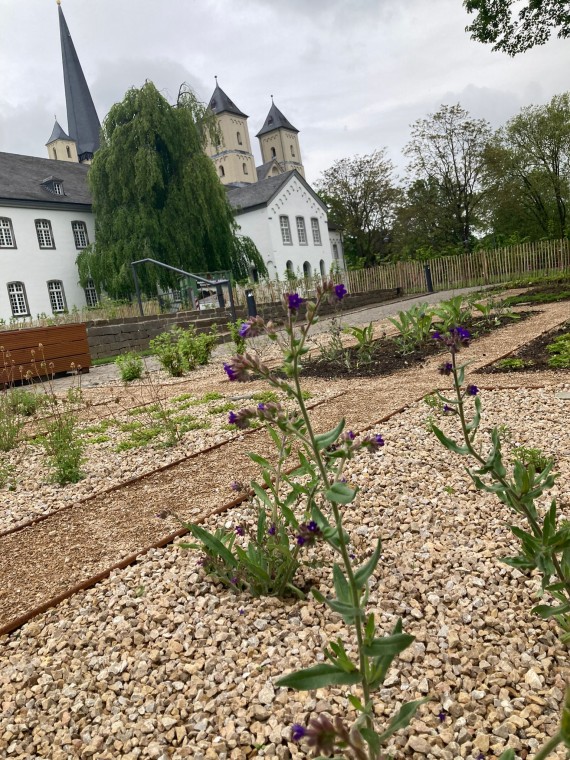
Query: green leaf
x=388 y=645
x=364 y=572
x=213 y=544
x=317 y=677
x=370 y=628
x=341 y=585
x=324 y=440
x=261 y=522
x=261 y=461
x=545 y=611
x=348 y=612
x=402 y=718
x=340 y=493
x=355 y=702
x=261 y=494
x=372 y=739
x=508 y=754
x=448 y=443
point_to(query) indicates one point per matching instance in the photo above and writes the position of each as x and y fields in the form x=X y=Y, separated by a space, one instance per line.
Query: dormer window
x=53 y=185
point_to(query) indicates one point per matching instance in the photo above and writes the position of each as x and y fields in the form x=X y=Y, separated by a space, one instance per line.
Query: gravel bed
x=29 y=492
x=158 y=662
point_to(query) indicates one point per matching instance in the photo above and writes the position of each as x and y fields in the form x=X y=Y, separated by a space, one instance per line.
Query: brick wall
x=116 y=336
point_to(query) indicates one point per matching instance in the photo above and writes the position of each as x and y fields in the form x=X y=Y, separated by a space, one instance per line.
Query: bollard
x=429 y=283
x=251 y=305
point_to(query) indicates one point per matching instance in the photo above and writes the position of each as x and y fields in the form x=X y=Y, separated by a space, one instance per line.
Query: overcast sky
x=351 y=75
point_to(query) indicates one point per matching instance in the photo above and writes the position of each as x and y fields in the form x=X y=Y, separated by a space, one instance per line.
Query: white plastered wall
x=35 y=266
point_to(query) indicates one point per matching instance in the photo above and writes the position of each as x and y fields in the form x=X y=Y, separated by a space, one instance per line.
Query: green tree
x=156 y=194
x=529 y=163
x=362 y=195
x=446 y=154
x=513 y=29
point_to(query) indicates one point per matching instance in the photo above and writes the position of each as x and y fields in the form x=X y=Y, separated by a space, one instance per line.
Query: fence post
x=429 y=283
x=251 y=305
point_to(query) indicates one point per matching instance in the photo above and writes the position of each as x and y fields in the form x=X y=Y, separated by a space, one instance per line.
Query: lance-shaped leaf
x=545 y=611
x=340 y=493
x=388 y=645
x=324 y=440
x=341 y=584
x=319 y=676
x=448 y=443
x=402 y=718
x=349 y=612
x=364 y=572
x=213 y=544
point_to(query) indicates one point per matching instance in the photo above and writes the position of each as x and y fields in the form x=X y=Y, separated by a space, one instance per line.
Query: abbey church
x=45 y=204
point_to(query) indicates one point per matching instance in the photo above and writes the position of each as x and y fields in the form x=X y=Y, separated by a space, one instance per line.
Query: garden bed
x=532 y=357
x=387 y=356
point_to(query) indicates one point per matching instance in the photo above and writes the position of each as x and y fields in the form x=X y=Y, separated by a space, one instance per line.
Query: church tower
x=278 y=140
x=82 y=121
x=232 y=157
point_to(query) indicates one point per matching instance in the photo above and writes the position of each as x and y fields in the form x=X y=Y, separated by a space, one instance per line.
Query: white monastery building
x=45 y=203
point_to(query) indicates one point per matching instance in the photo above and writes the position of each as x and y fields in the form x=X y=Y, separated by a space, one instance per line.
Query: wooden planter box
x=63 y=345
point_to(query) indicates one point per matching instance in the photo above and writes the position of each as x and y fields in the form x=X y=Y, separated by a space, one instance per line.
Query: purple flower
x=445 y=368
x=272 y=529
x=294 y=301
x=350 y=435
x=301 y=540
x=244 y=329
x=298 y=732
x=442 y=716
x=231 y=372
x=242 y=612
x=234 y=580
x=436 y=335
x=472 y=390
x=262 y=407
x=340 y=291
x=235 y=485
x=240 y=530
x=447 y=408
x=463 y=334
x=378 y=440
x=313 y=527
x=232 y=418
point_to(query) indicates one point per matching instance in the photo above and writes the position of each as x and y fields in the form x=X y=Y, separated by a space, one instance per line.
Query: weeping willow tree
x=156 y=194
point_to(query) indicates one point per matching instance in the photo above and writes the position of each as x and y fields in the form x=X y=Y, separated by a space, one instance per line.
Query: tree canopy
x=513 y=29
x=156 y=194
x=361 y=194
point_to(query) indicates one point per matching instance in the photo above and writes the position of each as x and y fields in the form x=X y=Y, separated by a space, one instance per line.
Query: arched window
x=222 y=171
x=80 y=234
x=307 y=270
x=239 y=138
x=289 y=266
x=335 y=251
x=18 y=300
x=273 y=153
x=244 y=167
x=7 y=239
x=54 y=153
x=44 y=233
x=68 y=150
x=56 y=296
x=254 y=274
x=323 y=269
x=293 y=151
x=289 y=271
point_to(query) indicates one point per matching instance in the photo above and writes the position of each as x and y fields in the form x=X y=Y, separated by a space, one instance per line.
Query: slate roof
x=264 y=169
x=57 y=133
x=21 y=179
x=261 y=193
x=220 y=103
x=82 y=120
x=275 y=120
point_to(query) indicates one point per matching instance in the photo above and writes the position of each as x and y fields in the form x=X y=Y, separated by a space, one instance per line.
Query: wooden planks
x=43 y=351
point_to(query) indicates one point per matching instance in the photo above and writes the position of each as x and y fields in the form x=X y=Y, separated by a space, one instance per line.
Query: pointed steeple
x=57 y=133
x=275 y=120
x=82 y=121
x=220 y=103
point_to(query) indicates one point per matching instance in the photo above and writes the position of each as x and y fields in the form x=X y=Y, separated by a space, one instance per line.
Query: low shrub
x=130 y=366
x=560 y=348
x=180 y=351
x=513 y=364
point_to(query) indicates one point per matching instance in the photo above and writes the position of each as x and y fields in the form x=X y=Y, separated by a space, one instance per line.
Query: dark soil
x=534 y=352
x=542 y=294
x=387 y=357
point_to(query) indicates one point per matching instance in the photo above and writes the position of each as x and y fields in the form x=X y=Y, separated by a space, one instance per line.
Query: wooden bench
x=62 y=347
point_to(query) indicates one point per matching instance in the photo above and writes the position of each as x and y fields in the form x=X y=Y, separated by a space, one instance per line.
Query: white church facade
x=46 y=216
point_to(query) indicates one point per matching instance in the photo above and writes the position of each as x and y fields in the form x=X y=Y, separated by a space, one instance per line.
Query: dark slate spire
x=275 y=120
x=220 y=103
x=57 y=133
x=82 y=120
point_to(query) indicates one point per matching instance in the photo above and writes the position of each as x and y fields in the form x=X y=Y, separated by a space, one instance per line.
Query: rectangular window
x=6 y=233
x=301 y=231
x=58 y=188
x=285 y=230
x=91 y=295
x=56 y=296
x=18 y=301
x=335 y=251
x=316 y=231
x=80 y=234
x=43 y=230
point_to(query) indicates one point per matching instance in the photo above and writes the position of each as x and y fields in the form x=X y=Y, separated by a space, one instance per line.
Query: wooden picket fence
x=448 y=272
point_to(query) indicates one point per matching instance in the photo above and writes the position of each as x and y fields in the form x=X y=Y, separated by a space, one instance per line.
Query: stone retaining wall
x=111 y=337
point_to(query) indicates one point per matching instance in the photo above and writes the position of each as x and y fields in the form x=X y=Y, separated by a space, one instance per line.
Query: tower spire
x=82 y=121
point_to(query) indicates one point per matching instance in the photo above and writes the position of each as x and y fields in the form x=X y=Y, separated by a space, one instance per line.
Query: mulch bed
x=534 y=352
x=387 y=357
